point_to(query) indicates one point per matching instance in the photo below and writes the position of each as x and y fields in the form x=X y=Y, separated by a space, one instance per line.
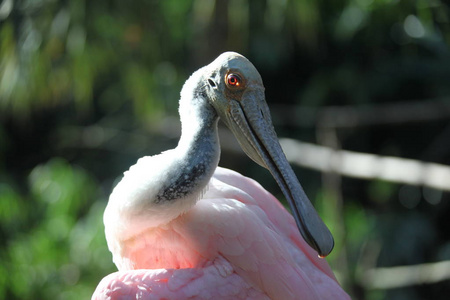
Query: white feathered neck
x=159 y=188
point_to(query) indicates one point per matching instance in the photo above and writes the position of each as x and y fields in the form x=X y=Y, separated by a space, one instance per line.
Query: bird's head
x=235 y=89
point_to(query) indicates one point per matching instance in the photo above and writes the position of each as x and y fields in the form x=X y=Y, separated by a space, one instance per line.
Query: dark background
x=88 y=87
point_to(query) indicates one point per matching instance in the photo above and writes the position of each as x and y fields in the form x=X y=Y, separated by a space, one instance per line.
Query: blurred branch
x=395 y=277
x=356 y=116
x=320 y=158
x=367 y=166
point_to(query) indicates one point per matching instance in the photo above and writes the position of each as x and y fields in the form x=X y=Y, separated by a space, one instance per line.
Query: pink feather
x=237 y=242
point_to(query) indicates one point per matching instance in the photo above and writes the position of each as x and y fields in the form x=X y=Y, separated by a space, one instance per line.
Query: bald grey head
x=235 y=89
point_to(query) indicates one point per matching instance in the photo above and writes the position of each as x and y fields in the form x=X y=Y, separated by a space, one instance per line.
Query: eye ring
x=233 y=80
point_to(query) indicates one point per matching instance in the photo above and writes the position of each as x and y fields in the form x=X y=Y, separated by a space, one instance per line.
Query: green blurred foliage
x=87 y=87
x=54 y=244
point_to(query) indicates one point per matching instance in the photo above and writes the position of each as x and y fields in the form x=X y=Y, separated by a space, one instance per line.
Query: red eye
x=234 y=80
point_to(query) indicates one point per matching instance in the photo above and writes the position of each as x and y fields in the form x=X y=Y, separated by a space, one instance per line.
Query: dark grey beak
x=249 y=120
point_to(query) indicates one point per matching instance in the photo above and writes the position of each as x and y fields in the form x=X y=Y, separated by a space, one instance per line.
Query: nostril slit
x=211 y=83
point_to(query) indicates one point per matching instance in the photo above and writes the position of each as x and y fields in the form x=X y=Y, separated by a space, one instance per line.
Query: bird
x=181 y=227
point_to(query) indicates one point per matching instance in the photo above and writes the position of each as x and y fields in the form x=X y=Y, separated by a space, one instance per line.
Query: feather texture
x=237 y=242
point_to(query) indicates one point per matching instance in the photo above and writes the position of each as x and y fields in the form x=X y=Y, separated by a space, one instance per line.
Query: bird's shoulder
x=241 y=221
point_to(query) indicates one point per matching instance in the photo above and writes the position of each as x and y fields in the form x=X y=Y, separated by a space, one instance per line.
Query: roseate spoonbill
x=180 y=227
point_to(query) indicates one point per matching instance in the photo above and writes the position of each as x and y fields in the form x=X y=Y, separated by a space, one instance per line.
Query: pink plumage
x=179 y=227
x=237 y=242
